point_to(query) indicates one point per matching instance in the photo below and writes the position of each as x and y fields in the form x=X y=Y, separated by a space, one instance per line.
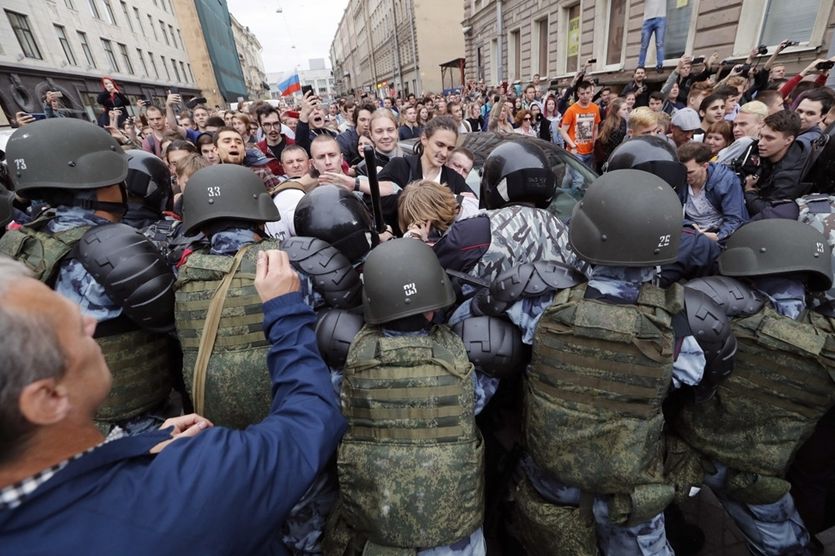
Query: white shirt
x=655 y=8
x=285 y=201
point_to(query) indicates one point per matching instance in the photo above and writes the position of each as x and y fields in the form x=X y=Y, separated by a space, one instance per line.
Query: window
x=572 y=41
x=514 y=54
x=183 y=71
x=94 y=10
x=20 y=26
x=108 y=53
x=139 y=20
x=617 y=29
x=171 y=32
x=124 y=51
x=151 y=25
x=111 y=18
x=162 y=3
x=65 y=44
x=679 y=15
x=793 y=20
x=153 y=64
x=85 y=48
x=182 y=44
x=165 y=66
x=68 y=3
x=539 y=47
x=479 y=64
x=190 y=75
x=495 y=60
x=176 y=71
x=144 y=65
x=127 y=15
x=164 y=34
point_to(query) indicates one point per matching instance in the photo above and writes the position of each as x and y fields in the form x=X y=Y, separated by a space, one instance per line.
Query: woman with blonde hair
x=426 y=209
x=499 y=118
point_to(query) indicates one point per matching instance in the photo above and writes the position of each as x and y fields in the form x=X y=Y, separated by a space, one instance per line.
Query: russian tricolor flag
x=290 y=85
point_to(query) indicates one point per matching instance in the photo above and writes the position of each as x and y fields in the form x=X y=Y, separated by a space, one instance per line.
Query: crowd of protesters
x=744 y=142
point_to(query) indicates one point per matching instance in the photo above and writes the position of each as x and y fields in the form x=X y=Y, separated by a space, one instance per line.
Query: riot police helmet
x=226 y=192
x=627 y=218
x=338 y=217
x=517 y=172
x=402 y=278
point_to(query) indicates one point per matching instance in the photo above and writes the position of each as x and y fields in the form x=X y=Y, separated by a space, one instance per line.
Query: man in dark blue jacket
x=188 y=488
x=713 y=199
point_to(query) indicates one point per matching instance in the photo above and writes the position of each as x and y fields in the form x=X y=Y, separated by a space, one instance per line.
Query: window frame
x=537 y=66
x=748 y=36
x=127 y=15
x=562 y=46
x=144 y=64
x=108 y=9
x=109 y=54
x=64 y=41
x=123 y=50
x=94 y=9
x=85 y=48
x=23 y=33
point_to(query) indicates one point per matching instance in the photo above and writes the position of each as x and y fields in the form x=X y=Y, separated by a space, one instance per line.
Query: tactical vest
x=230 y=385
x=598 y=376
x=520 y=234
x=780 y=387
x=411 y=464
x=41 y=251
x=138 y=360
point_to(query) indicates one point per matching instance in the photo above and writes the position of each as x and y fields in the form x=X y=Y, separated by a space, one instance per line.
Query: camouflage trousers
x=648 y=538
x=770 y=529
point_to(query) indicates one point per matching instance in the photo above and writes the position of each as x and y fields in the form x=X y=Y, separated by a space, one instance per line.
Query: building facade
x=386 y=46
x=252 y=61
x=70 y=45
x=515 y=39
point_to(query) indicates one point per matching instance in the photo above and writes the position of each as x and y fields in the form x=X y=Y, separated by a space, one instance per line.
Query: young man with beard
x=274 y=141
x=231 y=150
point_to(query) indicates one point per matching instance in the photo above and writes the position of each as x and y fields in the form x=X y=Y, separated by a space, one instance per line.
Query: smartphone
x=827 y=65
x=38 y=115
x=307 y=89
x=593 y=61
x=698 y=60
x=174 y=90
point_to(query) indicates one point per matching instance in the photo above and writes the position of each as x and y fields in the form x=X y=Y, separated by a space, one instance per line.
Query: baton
x=374 y=185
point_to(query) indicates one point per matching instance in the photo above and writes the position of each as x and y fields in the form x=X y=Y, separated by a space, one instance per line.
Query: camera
x=762 y=50
x=748 y=163
x=792 y=43
x=698 y=60
x=826 y=65
x=593 y=61
x=194 y=102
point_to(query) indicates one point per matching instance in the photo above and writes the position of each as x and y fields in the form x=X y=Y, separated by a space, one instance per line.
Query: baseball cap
x=686 y=119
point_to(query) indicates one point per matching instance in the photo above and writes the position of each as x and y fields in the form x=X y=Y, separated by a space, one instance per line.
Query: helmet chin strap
x=656 y=278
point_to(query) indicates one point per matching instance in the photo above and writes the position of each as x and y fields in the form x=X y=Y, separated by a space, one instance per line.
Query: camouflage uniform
x=521 y=234
x=620 y=286
x=303 y=529
x=774 y=527
x=74 y=282
x=474 y=544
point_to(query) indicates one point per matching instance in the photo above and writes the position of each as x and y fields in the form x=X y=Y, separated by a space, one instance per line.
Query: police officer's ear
x=44 y=402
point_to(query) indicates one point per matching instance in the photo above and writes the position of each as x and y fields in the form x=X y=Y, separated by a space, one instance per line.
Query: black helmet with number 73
x=627 y=218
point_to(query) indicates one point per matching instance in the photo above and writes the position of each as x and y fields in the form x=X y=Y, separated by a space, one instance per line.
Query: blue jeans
x=573 y=179
x=657 y=25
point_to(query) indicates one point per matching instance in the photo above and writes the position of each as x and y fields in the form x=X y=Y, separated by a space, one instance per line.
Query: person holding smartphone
x=111 y=98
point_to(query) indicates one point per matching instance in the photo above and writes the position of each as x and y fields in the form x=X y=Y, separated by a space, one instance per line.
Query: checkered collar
x=14 y=495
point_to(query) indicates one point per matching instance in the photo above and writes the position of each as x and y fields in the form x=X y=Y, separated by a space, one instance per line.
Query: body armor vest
x=410 y=465
x=598 y=376
x=780 y=387
x=520 y=234
x=226 y=377
x=138 y=360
